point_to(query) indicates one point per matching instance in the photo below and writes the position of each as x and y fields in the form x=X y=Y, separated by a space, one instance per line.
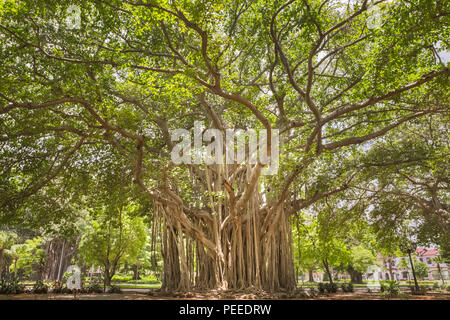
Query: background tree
x=29 y=258
x=109 y=241
x=361 y=259
x=421 y=269
x=322 y=243
x=7 y=239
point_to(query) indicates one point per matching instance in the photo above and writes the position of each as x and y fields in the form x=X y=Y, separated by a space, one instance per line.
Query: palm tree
x=16 y=252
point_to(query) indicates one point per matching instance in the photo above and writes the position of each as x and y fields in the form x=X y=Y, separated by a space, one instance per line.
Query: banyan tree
x=79 y=81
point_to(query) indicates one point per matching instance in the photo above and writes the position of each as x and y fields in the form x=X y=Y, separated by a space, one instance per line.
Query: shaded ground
x=139 y=294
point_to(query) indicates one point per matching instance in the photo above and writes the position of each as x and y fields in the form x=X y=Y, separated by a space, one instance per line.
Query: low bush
x=347 y=287
x=443 y=287
x=114 y=289
x=331 y=287
x=422 y=290
x=58 y=287
x=66 y=290
x=94 y=288
x=328 y=287
x=11 y=285
x=39 y=287
x=321 y=287
x=389 y=289
x=312 y=292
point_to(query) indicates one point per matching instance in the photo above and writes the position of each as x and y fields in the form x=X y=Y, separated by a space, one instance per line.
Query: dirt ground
x=215 y=295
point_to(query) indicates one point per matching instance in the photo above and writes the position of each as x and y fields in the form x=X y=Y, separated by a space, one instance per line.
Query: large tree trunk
x=232 y=247
x=57 y=259
x=310 y=275
x=108 y=277
x=136 y=275
x=242 y=262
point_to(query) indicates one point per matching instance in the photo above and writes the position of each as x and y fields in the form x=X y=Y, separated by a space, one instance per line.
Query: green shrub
x=389 y=288
x=328 y=287
x=40 y=287
x=4 y=286
x=11 y=285
x=83 y=290
x=347 y=287
x=321 y=287
x=60 y=287
x=57 y=287
x=94 y=288
x=66 y=276
x=331 y=287
x=114 y=289
x=66 y=290
x=442 y=287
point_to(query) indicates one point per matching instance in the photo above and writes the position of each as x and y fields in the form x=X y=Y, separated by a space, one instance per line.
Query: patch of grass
x=128 y=278
x=139 y=286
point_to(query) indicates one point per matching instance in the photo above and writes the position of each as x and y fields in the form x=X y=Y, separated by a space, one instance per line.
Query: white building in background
x=399 y=272
x=398 y=269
